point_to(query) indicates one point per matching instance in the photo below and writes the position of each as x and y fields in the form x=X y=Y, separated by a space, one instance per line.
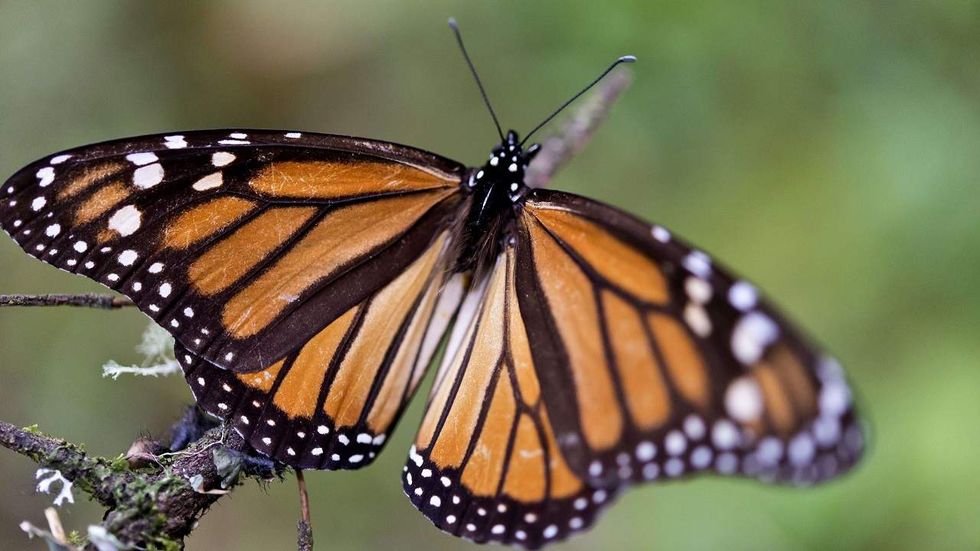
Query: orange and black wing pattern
x=332 y=403
x=243 y=244
x=602 y=352
x=658 y=363
x=486 y=464
x=310 y=279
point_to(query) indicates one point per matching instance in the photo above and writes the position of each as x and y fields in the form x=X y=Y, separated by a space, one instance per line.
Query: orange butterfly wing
x=332 y=403
x=486 y=465
x=659 y=363
x=601 y=352
x=243 y=245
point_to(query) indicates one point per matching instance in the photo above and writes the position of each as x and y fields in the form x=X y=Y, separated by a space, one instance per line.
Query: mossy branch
x=88 y=300
x=153 y=498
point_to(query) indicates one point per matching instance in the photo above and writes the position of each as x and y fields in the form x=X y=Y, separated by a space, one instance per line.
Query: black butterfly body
x=309 y=281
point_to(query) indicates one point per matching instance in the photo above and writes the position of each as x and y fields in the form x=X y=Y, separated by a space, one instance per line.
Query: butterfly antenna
x=624 y=59
x=479 y=83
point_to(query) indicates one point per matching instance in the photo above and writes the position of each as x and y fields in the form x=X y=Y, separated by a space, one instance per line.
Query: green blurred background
x=830 y=151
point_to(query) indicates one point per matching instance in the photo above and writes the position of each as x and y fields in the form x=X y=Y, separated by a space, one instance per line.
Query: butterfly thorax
x=497 y=192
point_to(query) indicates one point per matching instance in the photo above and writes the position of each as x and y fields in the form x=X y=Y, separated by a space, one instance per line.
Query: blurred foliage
x=828 y=150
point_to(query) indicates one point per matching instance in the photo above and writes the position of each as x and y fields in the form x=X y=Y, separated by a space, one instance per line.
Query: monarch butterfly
x=309 y=280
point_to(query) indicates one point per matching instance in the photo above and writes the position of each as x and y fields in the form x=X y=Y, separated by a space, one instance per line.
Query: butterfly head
x=503 y=173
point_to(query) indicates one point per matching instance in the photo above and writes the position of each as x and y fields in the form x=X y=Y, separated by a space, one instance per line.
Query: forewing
x=243 y=244
x=655 y=362
x=333 y=402
x=486 y=464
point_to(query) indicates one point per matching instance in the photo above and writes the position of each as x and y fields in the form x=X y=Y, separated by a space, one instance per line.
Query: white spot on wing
x=127 y=257
x=694 y=427
x=126 y=220
x=174 y=142
x=743 y=399
x=697 y=319
x=210 y=181
x=222 y=158
x=752 y=334
x=645 y=451
x=698 y=289
x=701 y=457
x=675 y=443
x=801 y=450
x=45 y=176
x=698 y=264
x=770 y=451
x=834 y=398
x=743 y=296
x=148 y=176
x=724 y=434
x=140 y=159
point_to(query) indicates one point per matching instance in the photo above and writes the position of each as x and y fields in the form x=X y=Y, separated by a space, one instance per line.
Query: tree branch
x=150 y=503
x=88 y=300
x=576 y=132
x=305 y=526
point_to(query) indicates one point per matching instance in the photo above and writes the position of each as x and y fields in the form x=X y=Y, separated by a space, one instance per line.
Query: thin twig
x=575 y=133
x=304 y=527
x=87 y=300
x=304 y=497
x=54 y=524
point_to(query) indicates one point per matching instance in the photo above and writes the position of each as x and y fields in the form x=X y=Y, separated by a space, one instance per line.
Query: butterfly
x=309 y=281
